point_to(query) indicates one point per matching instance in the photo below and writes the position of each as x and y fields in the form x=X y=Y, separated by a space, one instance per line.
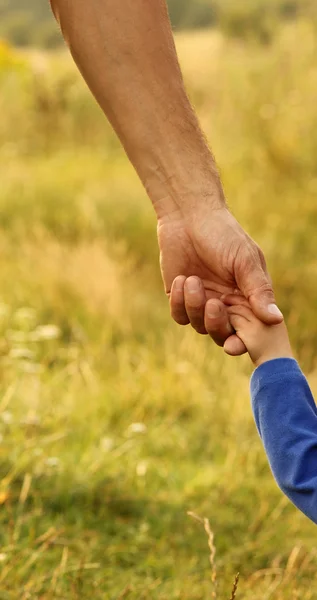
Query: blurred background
x=33 y=24
x=113 y=420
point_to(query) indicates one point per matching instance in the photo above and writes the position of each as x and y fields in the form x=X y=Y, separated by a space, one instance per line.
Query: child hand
x=263 y=342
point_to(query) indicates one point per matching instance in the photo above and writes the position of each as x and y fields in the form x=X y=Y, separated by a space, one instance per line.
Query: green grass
x=114 y=421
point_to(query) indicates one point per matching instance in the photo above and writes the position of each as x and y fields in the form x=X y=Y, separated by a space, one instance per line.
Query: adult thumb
x=256 y=286
x=263 y=304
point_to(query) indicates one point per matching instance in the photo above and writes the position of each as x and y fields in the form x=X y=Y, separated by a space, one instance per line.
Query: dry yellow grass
x=114 y=422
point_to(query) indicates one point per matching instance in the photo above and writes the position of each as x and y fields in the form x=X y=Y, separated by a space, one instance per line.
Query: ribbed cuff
x=272 y=371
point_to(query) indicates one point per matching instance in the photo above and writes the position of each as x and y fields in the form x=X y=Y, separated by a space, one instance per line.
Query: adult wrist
x=173 y=160
x=183 y=192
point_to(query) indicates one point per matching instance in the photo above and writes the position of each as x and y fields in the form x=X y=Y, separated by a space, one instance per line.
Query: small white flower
x=106 y=444
x=141 y=468
x=7 y=417
x=137 y=428
x=21 y=353
x=45 y=332
x=52 y=461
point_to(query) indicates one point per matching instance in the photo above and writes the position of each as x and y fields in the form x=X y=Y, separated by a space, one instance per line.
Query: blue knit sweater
x=286 y=418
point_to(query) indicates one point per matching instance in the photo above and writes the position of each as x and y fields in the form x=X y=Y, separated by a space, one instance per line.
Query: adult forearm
x=126 y=53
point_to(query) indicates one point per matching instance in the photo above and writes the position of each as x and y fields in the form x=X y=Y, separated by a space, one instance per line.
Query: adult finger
x=177 y=301
x=195 y=300
x=255 y=284
x=218 y=326
x=217 y=321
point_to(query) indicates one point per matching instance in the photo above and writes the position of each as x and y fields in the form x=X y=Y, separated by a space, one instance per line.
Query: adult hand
x=204 y=256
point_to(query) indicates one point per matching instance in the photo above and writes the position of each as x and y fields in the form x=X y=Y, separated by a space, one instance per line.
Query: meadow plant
x=113 y=420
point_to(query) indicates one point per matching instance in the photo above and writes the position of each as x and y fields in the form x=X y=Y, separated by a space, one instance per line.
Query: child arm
x=286 y=418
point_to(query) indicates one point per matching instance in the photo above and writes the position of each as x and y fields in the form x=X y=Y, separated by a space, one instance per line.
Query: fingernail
x=274 y=310
x=179 y=285
x=193 y=285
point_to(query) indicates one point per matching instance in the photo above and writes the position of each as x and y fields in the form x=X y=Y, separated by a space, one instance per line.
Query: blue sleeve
x=286 y=418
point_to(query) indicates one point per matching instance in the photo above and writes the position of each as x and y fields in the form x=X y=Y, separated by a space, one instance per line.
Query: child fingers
x=241 y=311
x=234 y=300
x=217 y=321
x=234 y=346
x=237 y=321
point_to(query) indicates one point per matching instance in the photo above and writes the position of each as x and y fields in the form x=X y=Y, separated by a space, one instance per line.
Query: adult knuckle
x=194 y=306
x=263 y=288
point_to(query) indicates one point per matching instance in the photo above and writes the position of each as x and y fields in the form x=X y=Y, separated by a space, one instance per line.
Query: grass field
x=115 y=422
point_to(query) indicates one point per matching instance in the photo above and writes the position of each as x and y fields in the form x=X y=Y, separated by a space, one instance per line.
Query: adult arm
x=126 y=53
x=286 y=418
